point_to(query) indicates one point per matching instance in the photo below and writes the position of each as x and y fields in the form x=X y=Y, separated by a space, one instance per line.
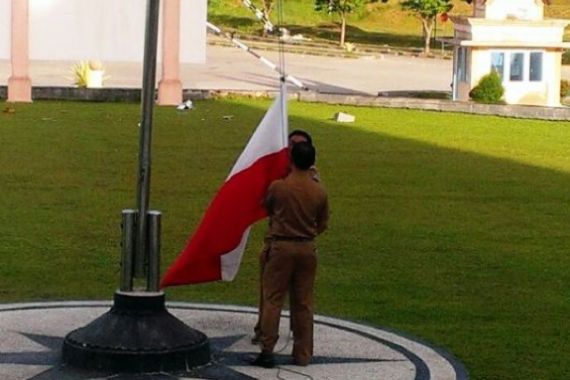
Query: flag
x=215 y=250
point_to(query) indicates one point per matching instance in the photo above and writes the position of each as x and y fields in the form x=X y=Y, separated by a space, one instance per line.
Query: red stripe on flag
x=236 y=206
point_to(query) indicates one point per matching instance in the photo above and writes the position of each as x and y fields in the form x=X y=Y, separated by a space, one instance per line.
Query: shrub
x=80 y=73
x=564 y=88
x=88 y=74
x=489 y=89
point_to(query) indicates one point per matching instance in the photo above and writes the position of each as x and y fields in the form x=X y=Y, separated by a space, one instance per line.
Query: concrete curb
x=309 y=47
x=411 y=102
x=95 y=94
x=516 y=111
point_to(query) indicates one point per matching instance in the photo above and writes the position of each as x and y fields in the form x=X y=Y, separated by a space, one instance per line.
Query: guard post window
x=498 y=63
x=517 y=67
x=535 y=67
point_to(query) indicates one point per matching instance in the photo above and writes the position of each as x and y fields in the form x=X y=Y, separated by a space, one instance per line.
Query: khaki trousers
x=289 y=266
x=262 y=260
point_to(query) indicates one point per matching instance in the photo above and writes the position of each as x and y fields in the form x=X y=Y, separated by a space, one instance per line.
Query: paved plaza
x=233 y=69
x=228 y=68
x=31 y=336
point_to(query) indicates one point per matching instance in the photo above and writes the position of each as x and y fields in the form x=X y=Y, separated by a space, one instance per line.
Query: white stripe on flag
x=269 y=137
x=231 y=260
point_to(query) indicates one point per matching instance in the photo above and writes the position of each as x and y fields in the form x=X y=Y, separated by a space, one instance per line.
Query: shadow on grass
x=463 y=249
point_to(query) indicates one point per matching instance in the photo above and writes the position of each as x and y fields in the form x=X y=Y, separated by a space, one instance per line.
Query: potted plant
x=88 y=74
x=96 y=72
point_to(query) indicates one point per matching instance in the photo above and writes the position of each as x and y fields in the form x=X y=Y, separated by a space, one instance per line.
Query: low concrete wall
x=97 y=94
x=527 y=112
x=134 y=95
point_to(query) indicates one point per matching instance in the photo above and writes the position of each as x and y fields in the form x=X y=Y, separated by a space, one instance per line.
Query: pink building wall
x=5 y=17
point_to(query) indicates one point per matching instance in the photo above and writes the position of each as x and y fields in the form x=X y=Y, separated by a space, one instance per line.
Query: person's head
x=298 y=136
x=303 y=155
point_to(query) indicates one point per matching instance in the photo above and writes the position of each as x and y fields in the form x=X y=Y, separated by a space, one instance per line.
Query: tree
x=267 y=8
x=341 y=7
x=427 y=11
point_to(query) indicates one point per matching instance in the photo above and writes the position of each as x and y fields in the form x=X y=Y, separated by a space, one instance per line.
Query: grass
x=380 y=23
x=377 y=24
x=450 y=227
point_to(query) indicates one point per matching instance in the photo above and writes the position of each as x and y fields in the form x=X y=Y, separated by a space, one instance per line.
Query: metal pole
x=454 y=89
x=267 y=62
x=127 y=247
x=147 y=103
x=153 y=251
x=136 y=334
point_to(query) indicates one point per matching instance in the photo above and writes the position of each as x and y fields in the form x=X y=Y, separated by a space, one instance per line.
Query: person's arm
x=269 y=199
x=323 y=217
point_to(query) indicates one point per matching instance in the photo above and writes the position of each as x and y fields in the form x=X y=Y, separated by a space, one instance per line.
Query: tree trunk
x=267 y=7
x=266 y=15
x=342 y=30
x=427 y=25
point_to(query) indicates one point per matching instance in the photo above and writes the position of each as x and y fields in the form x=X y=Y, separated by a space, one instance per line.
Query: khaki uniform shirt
x=298 y=207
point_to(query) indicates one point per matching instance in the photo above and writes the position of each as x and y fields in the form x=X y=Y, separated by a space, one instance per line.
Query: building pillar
x=454 y=81
x=170 y=86
x=19 y=83
x=552 y=77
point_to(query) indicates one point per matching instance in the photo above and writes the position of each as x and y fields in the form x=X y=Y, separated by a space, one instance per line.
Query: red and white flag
x=215 y=250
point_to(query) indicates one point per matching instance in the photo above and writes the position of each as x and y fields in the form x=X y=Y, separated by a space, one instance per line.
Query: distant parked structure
x=513 y=38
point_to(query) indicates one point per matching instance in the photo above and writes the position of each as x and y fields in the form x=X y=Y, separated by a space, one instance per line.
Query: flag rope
x=267 y=62
x=282 y=80
x=283 y=93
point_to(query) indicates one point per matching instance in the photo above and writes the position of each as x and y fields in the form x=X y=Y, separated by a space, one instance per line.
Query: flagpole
x=138 y=334
x=147 y=106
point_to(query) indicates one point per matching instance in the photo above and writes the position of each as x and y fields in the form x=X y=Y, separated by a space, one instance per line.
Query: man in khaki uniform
x=295 y=137
x=298 y=210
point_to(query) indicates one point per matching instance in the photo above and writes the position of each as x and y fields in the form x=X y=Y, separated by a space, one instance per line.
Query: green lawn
x=453 y=228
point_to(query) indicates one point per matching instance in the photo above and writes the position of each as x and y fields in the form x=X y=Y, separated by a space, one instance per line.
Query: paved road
x=233 y=69
x=236 y=69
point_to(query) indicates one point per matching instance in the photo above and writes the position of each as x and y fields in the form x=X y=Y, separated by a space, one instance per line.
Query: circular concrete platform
x=31 y=336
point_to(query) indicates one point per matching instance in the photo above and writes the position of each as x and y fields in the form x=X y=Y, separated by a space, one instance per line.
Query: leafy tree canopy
x=339 y=6
x=427 y=9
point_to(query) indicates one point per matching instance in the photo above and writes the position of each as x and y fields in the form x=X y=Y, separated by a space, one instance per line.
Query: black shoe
x=264 y=360
x=256 y=339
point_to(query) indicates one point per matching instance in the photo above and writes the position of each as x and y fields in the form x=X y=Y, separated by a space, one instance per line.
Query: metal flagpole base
x=138 y=334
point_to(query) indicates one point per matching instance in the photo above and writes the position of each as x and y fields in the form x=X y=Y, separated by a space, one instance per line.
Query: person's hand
x=315 y=174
